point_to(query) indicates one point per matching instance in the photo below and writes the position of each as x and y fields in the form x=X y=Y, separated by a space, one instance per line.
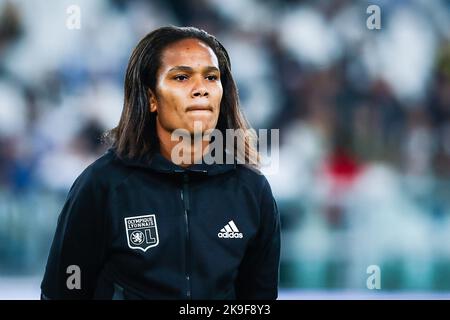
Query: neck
x=190 y=152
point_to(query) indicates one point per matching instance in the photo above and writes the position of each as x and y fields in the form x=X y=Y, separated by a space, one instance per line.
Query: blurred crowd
x=364 y=119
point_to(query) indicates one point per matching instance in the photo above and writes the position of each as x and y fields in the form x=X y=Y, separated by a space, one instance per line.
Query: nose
x=199 y=90
x=200 y=93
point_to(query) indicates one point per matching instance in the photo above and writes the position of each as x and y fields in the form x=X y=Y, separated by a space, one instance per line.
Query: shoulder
x=261 y=190
x=105 y=172
x=254 y=179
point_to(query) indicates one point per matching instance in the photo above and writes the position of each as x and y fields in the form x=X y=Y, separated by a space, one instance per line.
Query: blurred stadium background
x=364 y=119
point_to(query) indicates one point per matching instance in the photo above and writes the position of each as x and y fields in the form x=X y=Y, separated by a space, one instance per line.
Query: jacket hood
x=156 y=162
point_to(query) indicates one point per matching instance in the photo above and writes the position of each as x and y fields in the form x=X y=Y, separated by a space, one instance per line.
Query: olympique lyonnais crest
x=142 y=232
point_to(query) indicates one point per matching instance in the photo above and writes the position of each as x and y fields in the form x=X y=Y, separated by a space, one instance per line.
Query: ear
x=153 y=105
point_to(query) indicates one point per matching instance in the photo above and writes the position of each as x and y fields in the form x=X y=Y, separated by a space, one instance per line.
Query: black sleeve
x=259 y=271
x=78 y=247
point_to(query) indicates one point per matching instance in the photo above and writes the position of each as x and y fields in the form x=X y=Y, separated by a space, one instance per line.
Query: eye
x=212 y=77
x=180 y=77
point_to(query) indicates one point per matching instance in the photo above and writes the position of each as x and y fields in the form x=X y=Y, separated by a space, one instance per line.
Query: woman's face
x=188 y=87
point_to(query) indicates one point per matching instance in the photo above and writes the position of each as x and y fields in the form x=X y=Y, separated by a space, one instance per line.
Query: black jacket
x=153 y=230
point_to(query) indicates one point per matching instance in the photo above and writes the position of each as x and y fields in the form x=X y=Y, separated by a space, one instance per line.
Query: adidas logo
x=230 y=231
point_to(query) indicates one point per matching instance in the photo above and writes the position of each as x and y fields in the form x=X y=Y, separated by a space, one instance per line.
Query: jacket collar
x=156 y=162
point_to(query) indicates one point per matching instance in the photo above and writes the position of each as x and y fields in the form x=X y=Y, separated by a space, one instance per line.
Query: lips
x=199 y=108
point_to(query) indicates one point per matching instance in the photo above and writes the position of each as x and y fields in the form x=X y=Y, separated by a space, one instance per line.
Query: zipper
x=185 y=199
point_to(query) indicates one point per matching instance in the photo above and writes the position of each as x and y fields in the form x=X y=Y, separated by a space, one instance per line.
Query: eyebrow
x=189 y=69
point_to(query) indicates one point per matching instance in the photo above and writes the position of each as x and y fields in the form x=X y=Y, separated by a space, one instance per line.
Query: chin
x=201 y=125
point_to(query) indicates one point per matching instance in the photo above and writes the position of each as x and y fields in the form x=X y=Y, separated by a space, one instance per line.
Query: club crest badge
x=142 y=232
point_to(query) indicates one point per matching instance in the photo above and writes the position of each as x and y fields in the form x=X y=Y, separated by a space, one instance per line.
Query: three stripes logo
x=230 y=231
